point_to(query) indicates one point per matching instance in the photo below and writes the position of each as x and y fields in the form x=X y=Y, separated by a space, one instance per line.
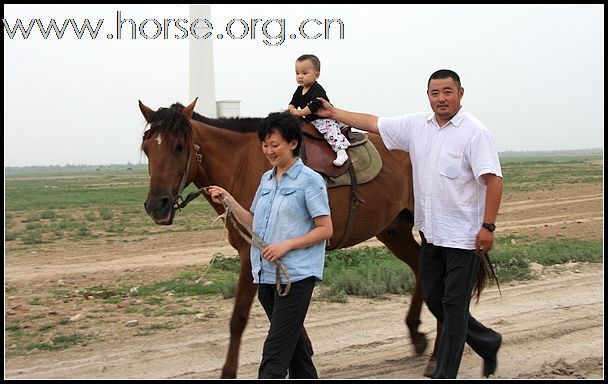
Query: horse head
x=168 y=146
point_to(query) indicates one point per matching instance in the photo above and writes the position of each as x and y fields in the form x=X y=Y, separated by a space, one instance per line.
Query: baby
x=308 y=69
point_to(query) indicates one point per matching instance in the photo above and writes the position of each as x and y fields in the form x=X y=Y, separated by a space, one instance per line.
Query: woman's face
x=278 y=151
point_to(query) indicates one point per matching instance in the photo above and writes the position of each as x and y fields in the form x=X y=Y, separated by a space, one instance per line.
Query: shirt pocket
x=449 y=164
x=287 y=191
x=290 y=208
x=264 y=199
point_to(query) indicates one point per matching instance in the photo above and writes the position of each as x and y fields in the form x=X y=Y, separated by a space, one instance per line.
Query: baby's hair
x=313 y=59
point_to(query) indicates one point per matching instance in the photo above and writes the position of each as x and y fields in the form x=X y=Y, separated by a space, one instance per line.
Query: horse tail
x=485 y=274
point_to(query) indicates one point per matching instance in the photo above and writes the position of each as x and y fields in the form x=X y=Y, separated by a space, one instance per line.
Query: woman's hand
x=217 y=193
x=275 y=251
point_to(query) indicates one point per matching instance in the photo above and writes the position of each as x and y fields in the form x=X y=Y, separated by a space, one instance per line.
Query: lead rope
x=259 y=243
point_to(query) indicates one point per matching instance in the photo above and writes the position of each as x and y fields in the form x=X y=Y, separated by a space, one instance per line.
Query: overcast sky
x=533 y=74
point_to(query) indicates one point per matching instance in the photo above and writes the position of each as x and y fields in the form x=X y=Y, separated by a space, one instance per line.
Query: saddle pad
x=367 y=164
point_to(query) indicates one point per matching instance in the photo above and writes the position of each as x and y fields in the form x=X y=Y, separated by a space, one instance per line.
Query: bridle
x=179 y=201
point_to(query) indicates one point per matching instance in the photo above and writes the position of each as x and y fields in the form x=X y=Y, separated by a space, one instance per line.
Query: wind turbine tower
x=201 y=70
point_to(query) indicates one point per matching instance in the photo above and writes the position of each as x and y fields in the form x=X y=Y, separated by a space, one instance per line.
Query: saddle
x=362 y=155
x=363 y=164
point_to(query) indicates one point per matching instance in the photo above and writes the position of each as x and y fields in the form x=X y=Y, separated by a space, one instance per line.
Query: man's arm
x=494 y=186
x=357 y=120
x=493 y=196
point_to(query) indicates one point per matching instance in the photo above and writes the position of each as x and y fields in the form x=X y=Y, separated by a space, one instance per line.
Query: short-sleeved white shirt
x=447 y=163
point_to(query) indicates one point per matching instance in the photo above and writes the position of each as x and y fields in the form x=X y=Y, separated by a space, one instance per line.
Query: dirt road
x=552 y=326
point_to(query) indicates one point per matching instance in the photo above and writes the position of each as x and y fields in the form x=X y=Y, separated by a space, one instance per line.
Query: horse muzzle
x=160 y=210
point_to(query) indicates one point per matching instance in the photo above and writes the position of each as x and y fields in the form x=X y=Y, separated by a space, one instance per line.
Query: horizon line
x=585 y=151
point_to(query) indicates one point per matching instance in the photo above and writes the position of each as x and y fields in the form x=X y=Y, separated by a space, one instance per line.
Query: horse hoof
x=420 y=343
x=228 y=375
x=431 y=367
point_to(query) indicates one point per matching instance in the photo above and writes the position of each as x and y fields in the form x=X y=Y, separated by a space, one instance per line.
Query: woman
x=290 y=212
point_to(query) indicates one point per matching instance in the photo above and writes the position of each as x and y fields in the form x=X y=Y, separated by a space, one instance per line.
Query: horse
x=184 y=147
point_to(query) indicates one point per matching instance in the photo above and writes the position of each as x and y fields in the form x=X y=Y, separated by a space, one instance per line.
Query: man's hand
x=326 y=109
x=484 y=241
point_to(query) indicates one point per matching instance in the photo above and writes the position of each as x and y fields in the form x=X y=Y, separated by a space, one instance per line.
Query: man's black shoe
x=490 y=362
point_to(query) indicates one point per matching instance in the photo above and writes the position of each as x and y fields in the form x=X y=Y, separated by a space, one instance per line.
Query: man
x=458 y=186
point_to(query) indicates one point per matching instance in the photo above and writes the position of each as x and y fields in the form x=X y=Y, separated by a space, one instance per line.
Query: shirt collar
x=293 y=172
x=456 y=120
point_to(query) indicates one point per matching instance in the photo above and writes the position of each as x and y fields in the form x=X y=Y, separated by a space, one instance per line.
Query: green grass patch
x=80 y=206
x=152 y=328
x=59 y=293
x=58 y=342
x=548 y=172
x=12 y=327
x=35 y=301
x=45 y=327
x=113 y=300
x=511 y=261
x=162 y=326
x=154 y=300
x=366 y=271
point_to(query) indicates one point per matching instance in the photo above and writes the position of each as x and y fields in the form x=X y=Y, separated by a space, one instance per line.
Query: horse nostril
x=158 y=205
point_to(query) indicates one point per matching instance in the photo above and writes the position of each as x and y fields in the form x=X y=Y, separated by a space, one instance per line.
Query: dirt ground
x=552 y=326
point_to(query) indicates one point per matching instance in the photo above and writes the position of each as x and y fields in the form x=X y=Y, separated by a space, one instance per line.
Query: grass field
x=76 y=205
x=79 y=203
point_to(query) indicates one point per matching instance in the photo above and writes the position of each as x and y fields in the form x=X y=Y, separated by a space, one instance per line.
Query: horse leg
x=245 y=293
x=431 y=365
x=412 y=318
x=399 y=239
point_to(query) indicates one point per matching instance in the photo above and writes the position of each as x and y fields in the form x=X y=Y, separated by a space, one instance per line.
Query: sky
x=533 y=74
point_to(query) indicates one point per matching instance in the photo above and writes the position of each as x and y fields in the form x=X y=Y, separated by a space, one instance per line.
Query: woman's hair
x=283 y=123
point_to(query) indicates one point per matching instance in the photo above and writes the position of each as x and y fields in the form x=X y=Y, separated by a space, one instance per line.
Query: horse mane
x=236 y=124
x=170 y=123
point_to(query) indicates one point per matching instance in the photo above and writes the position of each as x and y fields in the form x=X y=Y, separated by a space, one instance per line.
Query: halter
x=180 y=202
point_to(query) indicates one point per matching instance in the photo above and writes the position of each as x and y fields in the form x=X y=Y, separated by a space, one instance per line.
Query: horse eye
x=178 y=148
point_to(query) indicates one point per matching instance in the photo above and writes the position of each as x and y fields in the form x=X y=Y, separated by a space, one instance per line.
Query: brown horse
x=184 y=147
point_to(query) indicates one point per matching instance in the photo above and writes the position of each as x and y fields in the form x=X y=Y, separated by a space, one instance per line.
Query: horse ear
x=189 y=110
x=147 y=112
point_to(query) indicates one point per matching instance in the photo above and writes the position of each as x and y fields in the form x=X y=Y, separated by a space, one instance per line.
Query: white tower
x=201 y=70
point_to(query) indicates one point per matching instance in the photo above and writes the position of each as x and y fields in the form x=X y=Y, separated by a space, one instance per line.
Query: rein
x=256 y=241
x=243 y=230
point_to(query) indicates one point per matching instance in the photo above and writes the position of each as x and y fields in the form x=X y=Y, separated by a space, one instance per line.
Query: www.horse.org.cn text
x=272 y=32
